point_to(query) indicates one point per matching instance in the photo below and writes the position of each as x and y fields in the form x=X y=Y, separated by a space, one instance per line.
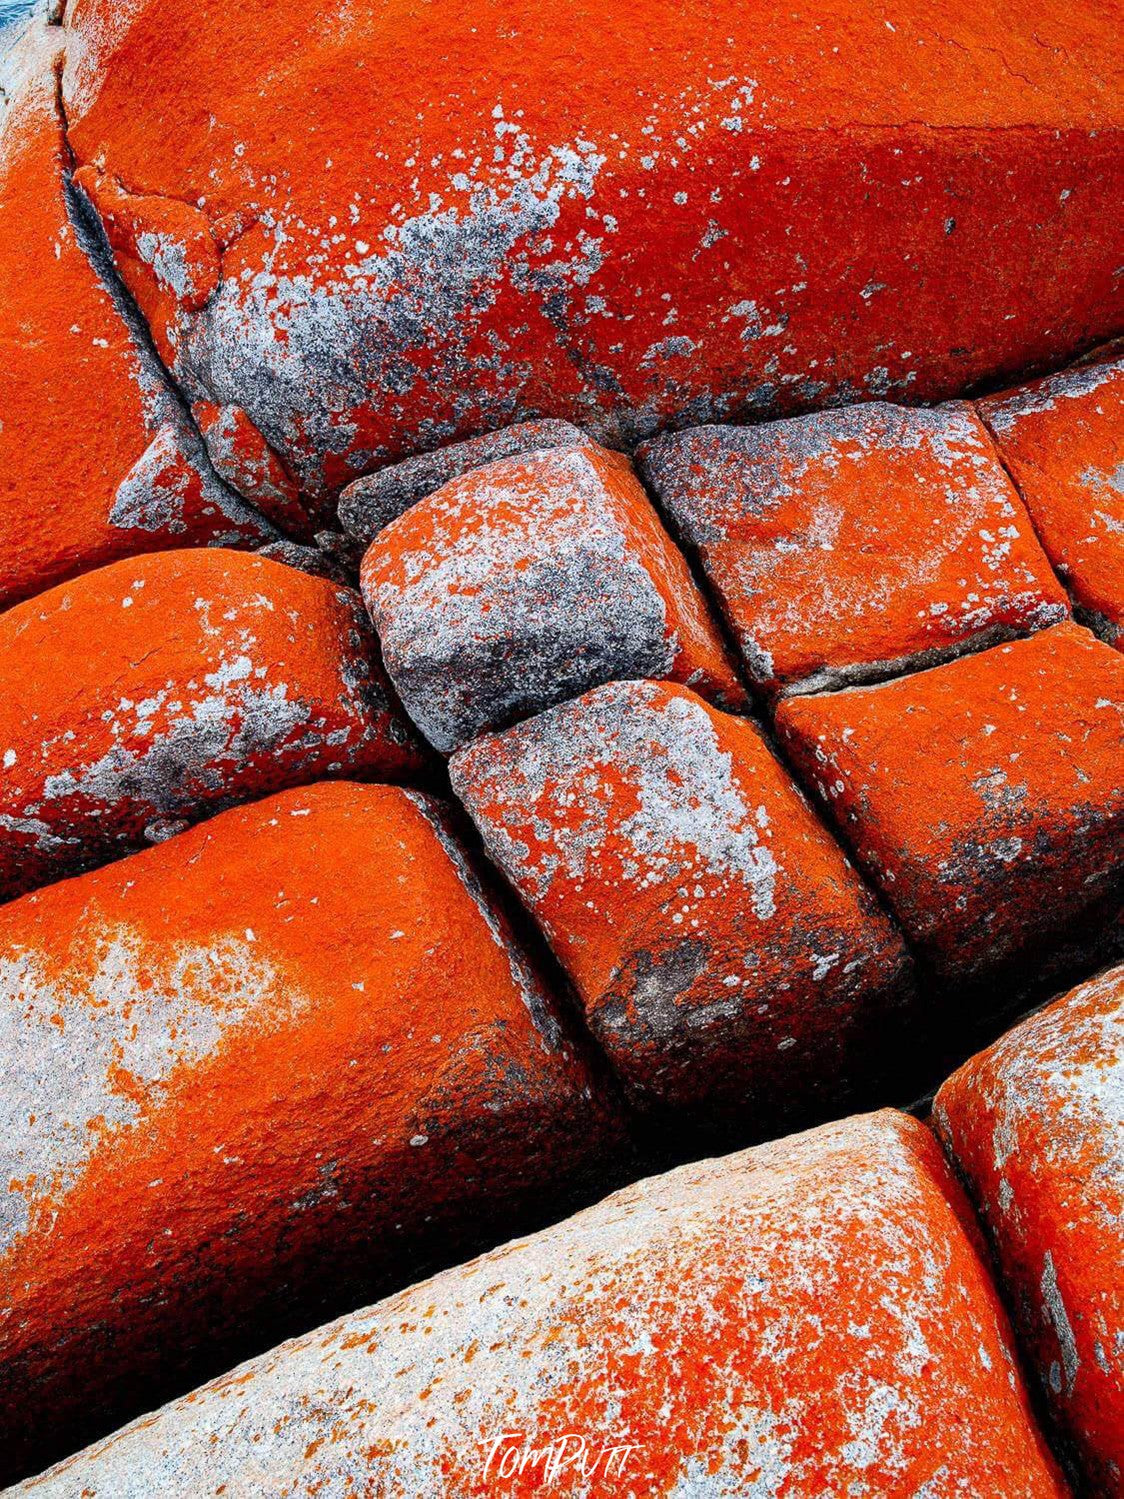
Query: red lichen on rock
x=248 y=464
x=624 y=219
x=252 y=1075
x=847 y=544
x=983 y=797
x=97 y=460
x=728 y=957
x=1063 y=440
x=526 y=582
x=160 y=689
x=809 y=1318
x=1036 y=1126
x=375 y=500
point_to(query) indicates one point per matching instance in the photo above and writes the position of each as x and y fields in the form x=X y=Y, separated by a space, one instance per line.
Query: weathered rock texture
x=1063 y=440
x=728 y=957
x=1036 y=1126
x=153 y=692
x=97 y=459
x=983 y=797
x=250 y=1075
x=857 y=543
x=807 y=1318
x=528 y=581
x=374 y=501
x=373 y=235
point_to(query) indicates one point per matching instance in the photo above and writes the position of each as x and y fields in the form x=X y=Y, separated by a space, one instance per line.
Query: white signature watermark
x=571 y=1455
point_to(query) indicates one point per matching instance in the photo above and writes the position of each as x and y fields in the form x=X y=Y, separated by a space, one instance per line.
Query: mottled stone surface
x=375 y=500
x=983 y=797
x=261 y=1071
x=1035 y=1124
x=856 y=543
x=807 y=1318
x=150 y=693
x=1063 y=440
x=523 y=583
x=728 y=958
x=375 y=235
x=97 y=458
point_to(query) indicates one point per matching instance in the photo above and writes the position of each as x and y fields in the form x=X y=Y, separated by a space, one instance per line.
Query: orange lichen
x=151 y=692
x=301 y=1052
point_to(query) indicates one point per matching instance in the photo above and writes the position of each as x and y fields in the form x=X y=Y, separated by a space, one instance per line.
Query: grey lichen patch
x=692 y=810
x=507 y=594
x=371 y=503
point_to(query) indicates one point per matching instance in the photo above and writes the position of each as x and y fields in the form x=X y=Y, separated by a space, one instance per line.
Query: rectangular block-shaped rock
x=371 y=503
x=1035 y=1125
x=983 y=797
x=148 y=694
x=728 y=957
x=251 y=1076
x=809 y=1318
x=1063 y=440
x=846 y=545
x=527 y=582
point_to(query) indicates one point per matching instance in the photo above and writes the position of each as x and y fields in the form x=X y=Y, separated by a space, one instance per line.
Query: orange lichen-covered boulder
x=1063 y=440
x=526 y=582
x=277 y=1062
x=847 y=544
x=727 y=955
x=97 y=459
x=983 y=797
x=373 y=233
x=1036 y=1127
x=371 y=503
x=160 y=689
x=808 y=1318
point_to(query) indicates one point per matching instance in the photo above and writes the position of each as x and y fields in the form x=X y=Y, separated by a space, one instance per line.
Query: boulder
x=1063 y=440
x=808 y=1318
x=851 y=545
x=729 y=959
x=285 y=1060
x=983 y=798
x=160 y=689
x=1034 y=1126
x=526 y=582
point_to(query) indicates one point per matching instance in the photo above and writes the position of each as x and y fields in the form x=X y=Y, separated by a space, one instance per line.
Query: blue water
x=12 y=10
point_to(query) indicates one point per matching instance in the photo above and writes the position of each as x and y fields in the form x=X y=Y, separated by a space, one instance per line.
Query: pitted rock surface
x=812 y=1315
x=1035 y=1125
x=526 y=582
x=164 y=688
x=722 y=946
x=248 y=1073
x=856 y=544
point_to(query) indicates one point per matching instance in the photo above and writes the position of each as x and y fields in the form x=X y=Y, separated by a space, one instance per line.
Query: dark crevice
x=91 y=239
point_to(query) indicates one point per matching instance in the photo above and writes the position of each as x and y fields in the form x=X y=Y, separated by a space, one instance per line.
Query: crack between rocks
x=91 y=240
